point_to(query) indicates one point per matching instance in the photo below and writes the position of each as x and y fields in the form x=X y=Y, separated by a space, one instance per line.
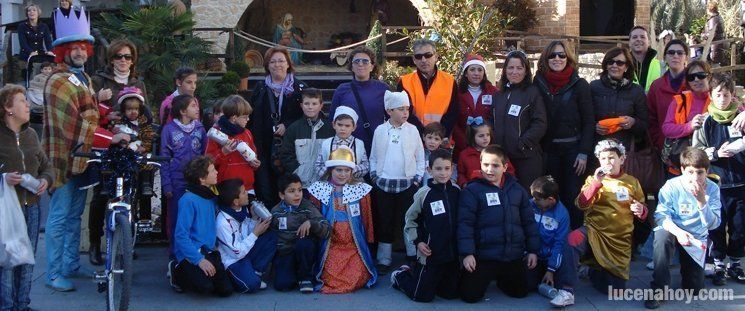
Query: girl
x=345 y=262
x=182 y=139
x=469 y=162
x=186 y=84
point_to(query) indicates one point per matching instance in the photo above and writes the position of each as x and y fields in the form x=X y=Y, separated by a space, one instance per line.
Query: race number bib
x=395 y=138
x=354 y=209
x=282 y=223
x=685 y=209
x=734 y=132
x=622 y=194
x=492 y=199
x=437 y=208
x=514 y=110
x=74 y=80
x=486 y=100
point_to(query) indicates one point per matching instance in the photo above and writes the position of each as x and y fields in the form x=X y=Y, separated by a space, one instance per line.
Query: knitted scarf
x=228 y=128
x=186 y=127
x=723 y=115
x=203 y=191
x=558 y=79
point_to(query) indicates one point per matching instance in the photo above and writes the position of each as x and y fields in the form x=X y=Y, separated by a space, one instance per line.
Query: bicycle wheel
x=120 y=276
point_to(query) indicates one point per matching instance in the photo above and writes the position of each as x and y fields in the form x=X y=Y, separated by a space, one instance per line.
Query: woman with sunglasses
x=363 y=92
x=571 y=122
x=662 y=90
x=475 y=96
x=620 y=106
x=519 y=118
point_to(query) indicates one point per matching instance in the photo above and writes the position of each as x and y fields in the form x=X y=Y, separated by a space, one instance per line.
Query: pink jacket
x=672 y=130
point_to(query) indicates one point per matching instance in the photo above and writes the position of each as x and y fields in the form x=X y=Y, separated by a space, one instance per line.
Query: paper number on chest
x=514 y=110
x=486 y=100
x=622 y=194
x=734 y=132
x=492 y=199
x=354 y=209
x=437 y=207
x=282 y=223
x=685 y=209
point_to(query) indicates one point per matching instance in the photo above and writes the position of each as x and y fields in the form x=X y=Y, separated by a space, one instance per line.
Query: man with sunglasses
x=432 y=92
x=647 y=67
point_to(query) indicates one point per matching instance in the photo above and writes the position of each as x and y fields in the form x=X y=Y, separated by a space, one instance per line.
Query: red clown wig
x=63 y=49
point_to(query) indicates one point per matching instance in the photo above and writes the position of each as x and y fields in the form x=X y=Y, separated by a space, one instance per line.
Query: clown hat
x=72 y=28
x=342 y=156
x=473 y=59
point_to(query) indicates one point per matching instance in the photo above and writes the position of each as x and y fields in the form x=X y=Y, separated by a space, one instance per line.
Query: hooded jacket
x=181 y=147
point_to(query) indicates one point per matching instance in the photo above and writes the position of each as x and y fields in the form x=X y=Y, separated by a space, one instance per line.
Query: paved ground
x=151 y=292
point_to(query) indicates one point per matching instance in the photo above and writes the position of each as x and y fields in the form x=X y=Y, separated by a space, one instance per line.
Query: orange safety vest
x=431 y=107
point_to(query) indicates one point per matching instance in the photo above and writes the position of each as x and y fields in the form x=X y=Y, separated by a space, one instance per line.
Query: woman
x=714 y=26
x=686 y=113
x=286 y=34
x=662 y=90
x=276 y=102
x=21 y=153
x=118 y=74
x=475 y=95
x=619 y=105
x=519 y=118
x=363 y=92
x=34 y=38
x=571 y=122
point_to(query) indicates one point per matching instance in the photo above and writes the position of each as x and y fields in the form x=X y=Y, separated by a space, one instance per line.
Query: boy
x=199 y=267
x=496 y=227
x=430 y=224
x=300 y=227
x=555 y=259
x=302 y=140
x=688 y=208
x=720 y=140
x=396 y=168
x=345 y=122
x=35 y=91
x=245 y=246
x=432 y=136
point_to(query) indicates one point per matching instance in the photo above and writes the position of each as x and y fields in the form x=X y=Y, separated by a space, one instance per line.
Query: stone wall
x=218 y=13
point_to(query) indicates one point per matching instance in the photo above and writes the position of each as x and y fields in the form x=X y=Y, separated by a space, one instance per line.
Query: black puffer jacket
x=625 y=99
x=519 y=121
x=569 y=112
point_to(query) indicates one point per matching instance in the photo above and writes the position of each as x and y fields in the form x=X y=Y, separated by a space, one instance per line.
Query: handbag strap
x=273 y=110
x=366 y=124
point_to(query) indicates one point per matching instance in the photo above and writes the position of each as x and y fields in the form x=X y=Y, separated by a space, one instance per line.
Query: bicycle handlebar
x=90 y=155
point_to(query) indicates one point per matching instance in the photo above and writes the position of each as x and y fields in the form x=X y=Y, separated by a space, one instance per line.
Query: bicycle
x=119 y=170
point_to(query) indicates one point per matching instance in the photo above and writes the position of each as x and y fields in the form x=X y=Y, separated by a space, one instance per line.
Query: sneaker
x=583 y=272
x=650 y=265
x=736 y=274
x=61 y=284
x=563 y=299
x=720 y=277
x=263 y=285
x=81 y=272
x=652 y=303
x=395 y=273
x=306 y=287
x=383 y=269
x=709 y=270
x=171 y=278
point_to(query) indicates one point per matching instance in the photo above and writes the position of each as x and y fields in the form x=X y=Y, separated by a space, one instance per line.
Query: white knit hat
x=344 y=110
x=395 y=100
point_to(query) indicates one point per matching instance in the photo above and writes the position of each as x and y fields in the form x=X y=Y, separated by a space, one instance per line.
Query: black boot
x=94 y=254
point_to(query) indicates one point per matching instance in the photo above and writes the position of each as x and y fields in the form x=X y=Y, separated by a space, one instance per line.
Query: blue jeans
x=16 y=282
x=62 y=233
x=296 y=266
x=243 y=272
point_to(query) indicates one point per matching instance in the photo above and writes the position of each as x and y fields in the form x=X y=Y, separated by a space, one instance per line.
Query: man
x=432 y=92
x=648 y=67
x=70 y=119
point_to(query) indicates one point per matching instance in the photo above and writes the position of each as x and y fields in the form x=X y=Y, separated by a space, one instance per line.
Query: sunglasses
x=618 y=63
x=675 y=52
x=427 y=55
x=517 y=53
x=124 y=56
x=361 y=61
x=700 y=75
x=561 y=55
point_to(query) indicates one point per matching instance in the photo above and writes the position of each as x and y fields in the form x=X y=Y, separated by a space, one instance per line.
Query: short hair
x=6 y=96
x=235 y=105
x=612 y=53
x=694 y=157
x=284 y=181
x=38 y=9
x=704 y=65
x=47 y=64
x=503 y=81
x=196 y=169
x=440 y=154
x=434 y=128
x=182 y=73
x=118 y=45
x=544 y=187
x=543 y=66
x=364 y=50
x=638 y=27
x=496 y=150
x=278 y=49
x=418 y=43
x=179 y=104
x=312 y=92
x=724 y=81
x=229 y=190
x=678 y=42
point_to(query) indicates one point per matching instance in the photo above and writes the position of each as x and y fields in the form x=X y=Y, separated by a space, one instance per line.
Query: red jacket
x=469 y=166
x=233 y=165
x=468 y=108
x=659 y=97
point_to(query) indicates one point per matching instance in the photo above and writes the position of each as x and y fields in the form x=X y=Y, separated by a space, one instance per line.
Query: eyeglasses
x=675 y=52
x=123 y=56
x=427 y=55
x=277 y=61
x=361 y=61
x=561 y=55
x=700 y=75
x=618 y=63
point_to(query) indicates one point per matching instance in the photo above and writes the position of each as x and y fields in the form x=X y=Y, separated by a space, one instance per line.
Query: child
x=302 y=140
x=496 y=228
x=396 y=168
x=717 y=136
x=345 y=122
x=198 y=266
x=430 y=224
x=346 y=264
x=35 y=91
x=186 y=84
x=555 y=259
x=245 y=246
x=228 y=161
x=469 y=163
x=610 y=200
x=300 y=227
x=432 y=136
x=688 y=208
x=181 y=140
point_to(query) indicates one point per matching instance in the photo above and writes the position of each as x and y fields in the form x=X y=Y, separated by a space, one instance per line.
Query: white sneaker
x=563 y=299
x=650 y=265
x=263 y=285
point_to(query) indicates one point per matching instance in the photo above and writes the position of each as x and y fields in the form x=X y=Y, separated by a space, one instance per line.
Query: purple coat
x=181 y=147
